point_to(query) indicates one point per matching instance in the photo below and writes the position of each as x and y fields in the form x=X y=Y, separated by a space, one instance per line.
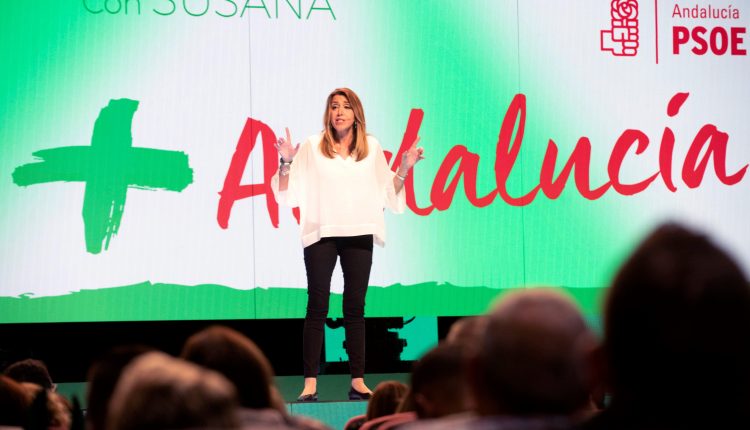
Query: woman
x=385 y=400
x=341 y=182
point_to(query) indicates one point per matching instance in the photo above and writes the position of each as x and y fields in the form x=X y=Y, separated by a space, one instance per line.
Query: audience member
x=355 y=422
x=675 y=356
x=531 y=370
x=47 y=409
x=237 y=358
x=30 y=370
x=438 y=382
x=102 y=379
x=385 y=399
x=14 y=403
x=407 y=403
x=232 y=354
x=677 y=337
x=533 y=362
x=389 y=422
x=467 y=331
x=157 y=391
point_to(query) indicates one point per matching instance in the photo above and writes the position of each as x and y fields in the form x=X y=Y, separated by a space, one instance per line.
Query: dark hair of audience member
x=677 y=332
x=237 y=358
x=14 y=403
x=438 y=382
x=385 y=399
x=30 y=370
x=47 y=408
x=407 y=403
x=533 y=360
x=157 y=391
x=102 y=378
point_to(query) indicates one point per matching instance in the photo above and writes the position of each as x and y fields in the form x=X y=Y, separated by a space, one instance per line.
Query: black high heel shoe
x=356 y=395
x=308 y=397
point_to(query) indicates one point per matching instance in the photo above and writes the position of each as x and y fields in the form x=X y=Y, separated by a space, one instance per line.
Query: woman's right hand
x=285 y=148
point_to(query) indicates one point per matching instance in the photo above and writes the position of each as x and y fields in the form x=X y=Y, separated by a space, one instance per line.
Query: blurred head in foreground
x=534 y=357
x=157 y=391
x=235 y=356
x=677 y=332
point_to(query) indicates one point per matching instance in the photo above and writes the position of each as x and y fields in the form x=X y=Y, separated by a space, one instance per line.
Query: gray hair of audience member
x=30 y=370
x=157 y=391
x=677 y=331
x=534 y=359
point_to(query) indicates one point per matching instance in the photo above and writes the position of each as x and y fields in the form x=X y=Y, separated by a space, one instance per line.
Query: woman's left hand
x=412 y=156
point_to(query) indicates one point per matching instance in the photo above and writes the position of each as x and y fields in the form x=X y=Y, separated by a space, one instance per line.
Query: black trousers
x=320 y=259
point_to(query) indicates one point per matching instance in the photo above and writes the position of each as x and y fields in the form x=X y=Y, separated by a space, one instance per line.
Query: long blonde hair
x=358 y=147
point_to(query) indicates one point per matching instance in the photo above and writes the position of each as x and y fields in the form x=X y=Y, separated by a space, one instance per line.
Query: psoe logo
x=621 y=39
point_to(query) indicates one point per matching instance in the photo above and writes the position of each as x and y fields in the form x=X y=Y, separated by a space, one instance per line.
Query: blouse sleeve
x=297 y=171
x=396 y=202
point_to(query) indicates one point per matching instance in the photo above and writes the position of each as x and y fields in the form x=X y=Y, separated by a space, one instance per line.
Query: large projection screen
x=137 y=137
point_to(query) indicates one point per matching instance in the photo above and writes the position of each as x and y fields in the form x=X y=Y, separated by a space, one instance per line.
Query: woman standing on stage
x=341 y=182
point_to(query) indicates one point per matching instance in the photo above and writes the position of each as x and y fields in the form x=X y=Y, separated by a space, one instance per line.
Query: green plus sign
x=109 y=167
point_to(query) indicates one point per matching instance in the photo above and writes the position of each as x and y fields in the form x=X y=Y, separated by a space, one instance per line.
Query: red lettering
x=621 y=148
x=693 y=169
x=388 y=156
x=719 y=40
x=232 y=190
x=702 y=45
x=736 y=33
x=506 y=154
x=680 y=36
x=675 y=103
x=412 y=130
x=719 y=34
x=580 y=158
x=666 y=150
x=510 y=140
x=468 y=164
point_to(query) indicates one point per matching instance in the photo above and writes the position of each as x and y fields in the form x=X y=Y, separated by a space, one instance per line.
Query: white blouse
x=340 y=197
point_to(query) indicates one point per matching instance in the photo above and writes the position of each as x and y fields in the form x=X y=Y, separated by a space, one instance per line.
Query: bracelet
x=284 y=169
x=284 y=162
x=403 y=178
